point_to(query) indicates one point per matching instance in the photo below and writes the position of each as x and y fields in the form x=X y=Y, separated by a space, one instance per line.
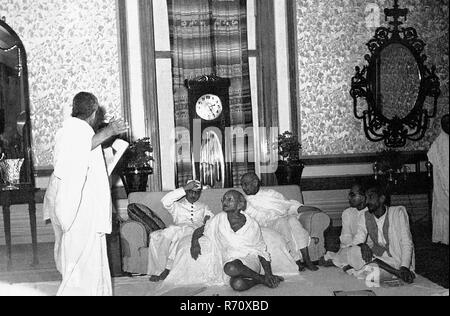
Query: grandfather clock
x=209 y=115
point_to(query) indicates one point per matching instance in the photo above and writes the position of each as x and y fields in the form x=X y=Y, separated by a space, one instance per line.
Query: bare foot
x=325 y=263
x=310 y=266
x=154 y=278
x=301 y=266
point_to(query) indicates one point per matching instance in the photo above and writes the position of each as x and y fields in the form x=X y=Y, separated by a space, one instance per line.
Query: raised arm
x=114 y=128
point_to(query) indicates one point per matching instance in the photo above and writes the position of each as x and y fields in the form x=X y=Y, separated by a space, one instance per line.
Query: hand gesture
x=193 y=186
x=117 y=127
x=196 y=251
x=272 y=281
x=406 y=275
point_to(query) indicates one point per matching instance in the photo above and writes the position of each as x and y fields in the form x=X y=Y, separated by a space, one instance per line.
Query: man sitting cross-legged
x=271 y=209
x=389 y=243
x=238 y=238
x=350 y=222
x=188 y=214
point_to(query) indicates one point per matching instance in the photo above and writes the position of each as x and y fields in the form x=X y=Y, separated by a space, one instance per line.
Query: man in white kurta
x=383 y=238
x=439 y=157
x=188 y=214
x=350 y=221
x=78 y=202
x=272 y=210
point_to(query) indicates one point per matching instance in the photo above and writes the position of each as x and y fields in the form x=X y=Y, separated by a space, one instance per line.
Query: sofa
x=134 y=238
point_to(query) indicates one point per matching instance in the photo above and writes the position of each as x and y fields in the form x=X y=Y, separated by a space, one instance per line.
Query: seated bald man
x=239 y=240
x=272 y=210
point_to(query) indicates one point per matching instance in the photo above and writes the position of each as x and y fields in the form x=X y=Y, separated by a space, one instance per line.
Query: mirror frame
x=23 y=75
x=397 y=130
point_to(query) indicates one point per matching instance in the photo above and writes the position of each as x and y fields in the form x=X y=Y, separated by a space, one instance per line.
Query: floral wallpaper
x=332 y=37
x=71 y=46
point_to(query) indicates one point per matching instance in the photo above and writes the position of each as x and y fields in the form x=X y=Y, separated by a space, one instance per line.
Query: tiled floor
x=432 y=261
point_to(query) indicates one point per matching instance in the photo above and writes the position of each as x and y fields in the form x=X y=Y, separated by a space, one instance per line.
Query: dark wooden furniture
x=24 y=195
x=15 y=131
x=395 y=84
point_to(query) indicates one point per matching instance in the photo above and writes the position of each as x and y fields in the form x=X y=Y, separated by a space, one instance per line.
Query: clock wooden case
x=209 y=104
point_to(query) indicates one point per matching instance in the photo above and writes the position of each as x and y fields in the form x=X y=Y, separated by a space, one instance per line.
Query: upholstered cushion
x=144 y=215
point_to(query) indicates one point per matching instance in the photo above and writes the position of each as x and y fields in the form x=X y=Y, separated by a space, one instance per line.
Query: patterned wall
x=331 y=42
x=72 y=46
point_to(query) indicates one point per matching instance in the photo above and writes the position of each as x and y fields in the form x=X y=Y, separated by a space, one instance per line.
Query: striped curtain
x=209 y=37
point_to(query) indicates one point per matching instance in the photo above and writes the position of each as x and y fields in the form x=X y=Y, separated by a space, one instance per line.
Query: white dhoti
x=293 y=232
x=163 y=246
x=340 y=258
x=78 y=202
x=208 y=270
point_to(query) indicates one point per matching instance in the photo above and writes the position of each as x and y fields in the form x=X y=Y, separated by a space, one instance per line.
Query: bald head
x=250 y=183
x=234 y=201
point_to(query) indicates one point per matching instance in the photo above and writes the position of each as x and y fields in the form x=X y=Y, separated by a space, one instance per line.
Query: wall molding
x=150 y=88
x=266 y=64
x=291 y=11
x=124 y=59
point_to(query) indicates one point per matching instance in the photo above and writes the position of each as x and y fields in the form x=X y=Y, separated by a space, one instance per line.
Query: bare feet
x=325 y=263
x=161 y=277
x=301 y=266
x=310 y=266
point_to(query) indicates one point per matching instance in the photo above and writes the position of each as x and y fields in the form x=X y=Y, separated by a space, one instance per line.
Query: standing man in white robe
x=188 y=214
x=383 y=238
x=238 y=239
x=350 y=221
x=272 y=210
x=78 y=201
x=439 y=157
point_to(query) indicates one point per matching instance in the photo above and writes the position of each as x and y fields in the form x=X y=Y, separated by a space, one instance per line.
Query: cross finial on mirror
x=396 y=13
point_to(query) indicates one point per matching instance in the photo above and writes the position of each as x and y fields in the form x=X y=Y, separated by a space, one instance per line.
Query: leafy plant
x=389 y=160
x=289 y=148
x=139 y=154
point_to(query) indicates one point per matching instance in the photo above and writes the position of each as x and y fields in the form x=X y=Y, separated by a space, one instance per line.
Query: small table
x=24 y=194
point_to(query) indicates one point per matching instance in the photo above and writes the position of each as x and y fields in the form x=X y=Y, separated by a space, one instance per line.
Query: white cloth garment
x=272 y=210
x=219 y=245
x=439 y=157
x=78 y=202
x=186 y=217
x=401 y=247
x=350 y=222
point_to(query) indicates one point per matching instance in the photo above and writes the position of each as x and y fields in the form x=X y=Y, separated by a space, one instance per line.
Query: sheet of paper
x=114 y=153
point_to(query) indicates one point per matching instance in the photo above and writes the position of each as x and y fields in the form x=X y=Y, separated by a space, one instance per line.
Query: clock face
x=209 y=107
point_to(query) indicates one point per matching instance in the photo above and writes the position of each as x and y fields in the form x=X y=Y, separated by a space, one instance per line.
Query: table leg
x=7 y=227
x=32 y=212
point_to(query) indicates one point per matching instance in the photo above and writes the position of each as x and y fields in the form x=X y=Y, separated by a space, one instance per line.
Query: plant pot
x=288 y=174
x=135 y=179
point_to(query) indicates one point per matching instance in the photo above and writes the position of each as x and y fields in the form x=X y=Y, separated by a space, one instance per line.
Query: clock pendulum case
x=209 y=116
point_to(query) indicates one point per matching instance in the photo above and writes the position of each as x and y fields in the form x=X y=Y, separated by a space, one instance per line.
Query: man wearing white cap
x=188 y=214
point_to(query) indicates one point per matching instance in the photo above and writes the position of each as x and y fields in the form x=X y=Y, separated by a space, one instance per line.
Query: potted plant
x=290 y=167
x=389 y=163
x=137 y=165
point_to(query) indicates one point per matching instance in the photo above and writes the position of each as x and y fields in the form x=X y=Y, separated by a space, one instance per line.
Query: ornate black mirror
x=15 y=141
x=395 y=84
